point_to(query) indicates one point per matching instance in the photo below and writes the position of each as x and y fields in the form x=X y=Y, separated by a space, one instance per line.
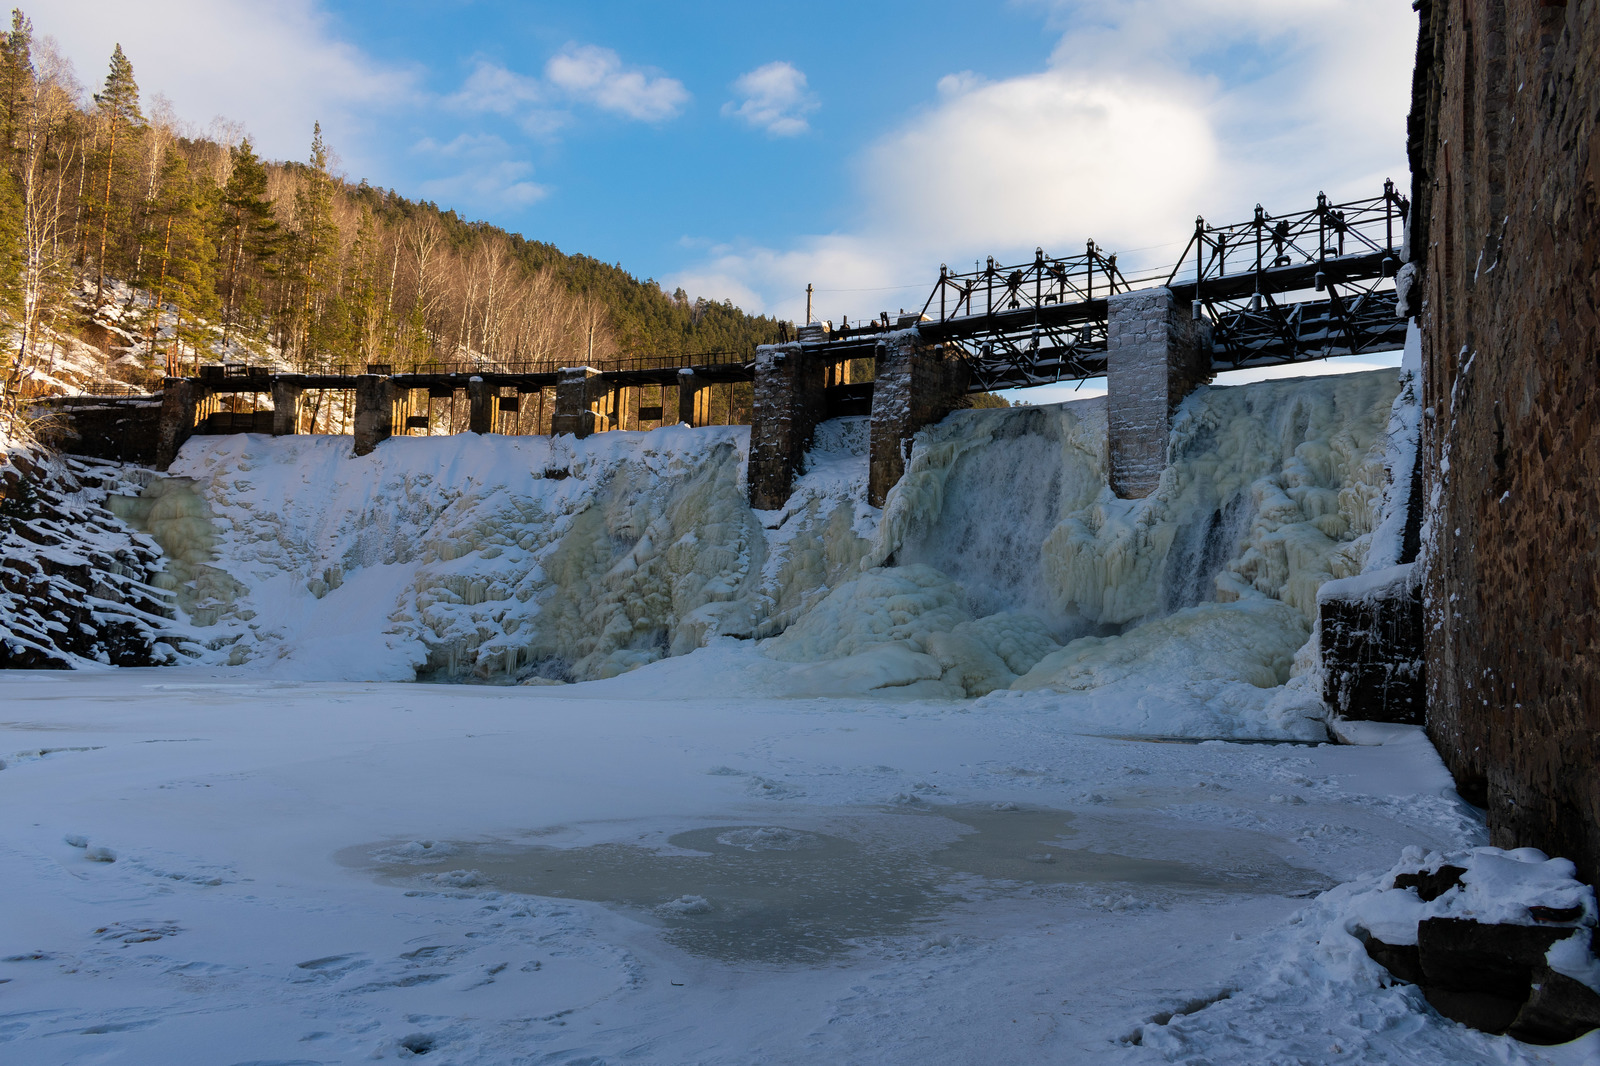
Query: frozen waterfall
x=1000 y=562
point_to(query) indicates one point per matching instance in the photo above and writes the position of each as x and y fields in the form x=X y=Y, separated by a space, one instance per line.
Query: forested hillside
x=169 y=248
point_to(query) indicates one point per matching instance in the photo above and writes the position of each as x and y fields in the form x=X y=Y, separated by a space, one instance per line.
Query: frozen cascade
x=1273 y=489
x=1001 y=560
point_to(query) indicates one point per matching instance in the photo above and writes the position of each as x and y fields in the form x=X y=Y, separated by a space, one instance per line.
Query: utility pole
x=808 y=303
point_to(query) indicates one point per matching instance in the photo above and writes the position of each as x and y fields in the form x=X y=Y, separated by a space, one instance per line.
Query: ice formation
x=1000 y=561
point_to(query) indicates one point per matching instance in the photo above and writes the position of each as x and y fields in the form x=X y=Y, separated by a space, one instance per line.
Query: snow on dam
x=1001 y=565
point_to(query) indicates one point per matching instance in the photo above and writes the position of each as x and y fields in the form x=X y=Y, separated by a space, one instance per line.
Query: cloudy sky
x=742 y=150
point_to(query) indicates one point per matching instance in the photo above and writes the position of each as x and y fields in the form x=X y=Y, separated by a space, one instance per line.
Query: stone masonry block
x=374 y=421
x=788 y=406
x=286 y=393
x=917 y=384
x=577 y=388
x=1157 y=354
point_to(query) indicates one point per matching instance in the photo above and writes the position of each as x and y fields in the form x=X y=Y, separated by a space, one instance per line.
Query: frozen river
x=201 y=866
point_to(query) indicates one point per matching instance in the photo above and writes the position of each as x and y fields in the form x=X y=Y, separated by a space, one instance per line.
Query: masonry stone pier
x=286 y=395
x=175 y=424
x=686 y=393
x=480 y=405
x=576 y=390
x=917 y=385
x=374 y=420
x=1157 y=353
x=788 y=406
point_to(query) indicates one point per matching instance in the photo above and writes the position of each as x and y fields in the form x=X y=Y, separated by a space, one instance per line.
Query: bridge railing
x=232 y=372
x=1268 y=242
x=1045 y=281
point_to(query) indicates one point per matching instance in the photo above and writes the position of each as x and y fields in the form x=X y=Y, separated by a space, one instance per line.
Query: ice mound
x=1253 y=641
x=907 y=628
x=884 y=605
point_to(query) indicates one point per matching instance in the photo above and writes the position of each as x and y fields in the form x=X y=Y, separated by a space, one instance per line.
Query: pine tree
x=363 y=293
x=316 y=240
x=16 y=79
x=248 y=237
x=119 y=110
x=181 y=257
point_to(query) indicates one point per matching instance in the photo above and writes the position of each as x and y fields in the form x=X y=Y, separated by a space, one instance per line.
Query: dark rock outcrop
x=75 y=582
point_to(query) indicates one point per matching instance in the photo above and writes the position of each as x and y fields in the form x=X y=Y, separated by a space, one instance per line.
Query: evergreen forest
x=168 y=248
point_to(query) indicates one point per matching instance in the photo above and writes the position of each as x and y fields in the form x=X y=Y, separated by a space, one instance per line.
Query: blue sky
x=742 y=150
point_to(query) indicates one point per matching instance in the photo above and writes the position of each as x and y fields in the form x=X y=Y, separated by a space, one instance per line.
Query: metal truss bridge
x=1276 y=289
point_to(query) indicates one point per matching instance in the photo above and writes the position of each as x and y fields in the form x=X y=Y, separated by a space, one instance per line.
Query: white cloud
x=597 y=75
x=275 y=67
x=1148 y=113
x=468 y=145
x=774 y=98
x=1050 y=159
x=492 y=89
x=496 y=185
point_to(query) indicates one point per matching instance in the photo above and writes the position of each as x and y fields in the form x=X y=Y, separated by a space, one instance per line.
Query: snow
x=1497 y=887
x=247 y=915
x=953 y=782
x=1401 y=442
x=1371 y=586
x=1572 y=958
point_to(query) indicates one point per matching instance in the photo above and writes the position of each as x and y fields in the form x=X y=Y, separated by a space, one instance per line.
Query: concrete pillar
x=480 y=405
x=788 y=406
x=374 y=420
x=686 y=391
x=917 y=385
x=1157 y=353
x=286 y=394
x=577 y=387
x=175 y=424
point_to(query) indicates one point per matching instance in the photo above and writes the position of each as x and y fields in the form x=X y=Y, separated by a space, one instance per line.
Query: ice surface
x=809 y=895
x=1046 y=895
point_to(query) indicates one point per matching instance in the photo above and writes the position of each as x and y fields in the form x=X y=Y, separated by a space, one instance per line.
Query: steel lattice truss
x=1276 y=289
x=1261 y=306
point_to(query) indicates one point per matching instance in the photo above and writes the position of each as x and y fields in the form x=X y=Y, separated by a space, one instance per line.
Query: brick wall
x=1505 y=153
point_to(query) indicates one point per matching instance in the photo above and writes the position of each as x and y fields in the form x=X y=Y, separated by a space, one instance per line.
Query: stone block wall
x=577 y=387
x=374 y=419
x=180 y=402
x=122 y=430
x=1370 y=633
x=917 y=384
x=1505 y=231
x=285 y=407
x=1157 y=353
x=788 y=405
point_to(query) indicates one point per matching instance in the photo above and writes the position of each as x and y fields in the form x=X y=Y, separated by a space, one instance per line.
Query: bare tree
x=46 y=158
